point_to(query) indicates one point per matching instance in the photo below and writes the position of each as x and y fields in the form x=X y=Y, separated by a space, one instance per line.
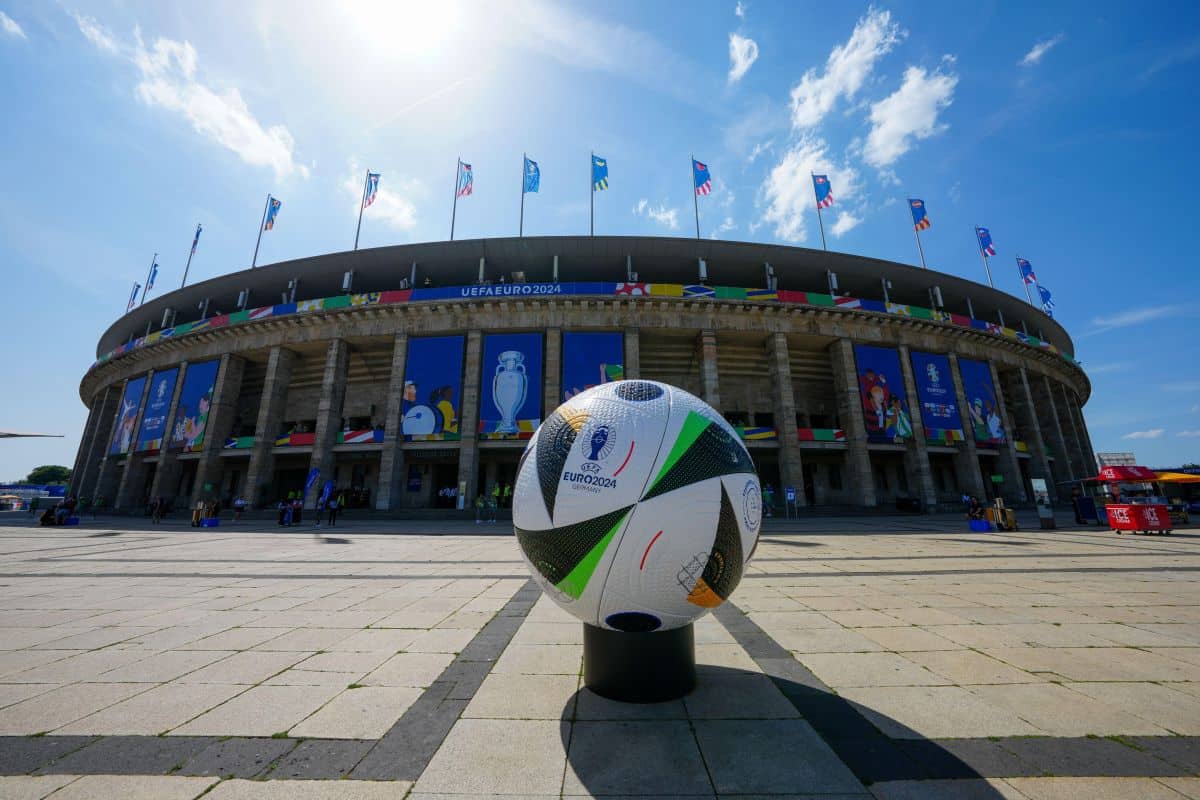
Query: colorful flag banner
x=920 y=221
x=985 y=242
x=824 y=191
x=1047 y=300
x=599 y=173
x=1026 y=271
x=196 y=239
x=702 y=178
x=372 y=188
x=133 y=296
x=533 y=176
x=273 y=207
x=153 y=275
x=466 y=179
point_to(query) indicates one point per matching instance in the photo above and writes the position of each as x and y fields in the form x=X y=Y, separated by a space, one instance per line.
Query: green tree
x=49 y=473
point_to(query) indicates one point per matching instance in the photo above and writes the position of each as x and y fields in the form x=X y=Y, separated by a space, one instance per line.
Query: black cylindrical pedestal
x=639 y=667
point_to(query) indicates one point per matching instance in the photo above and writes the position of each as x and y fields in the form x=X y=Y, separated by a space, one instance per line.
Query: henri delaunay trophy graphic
x=509 y=387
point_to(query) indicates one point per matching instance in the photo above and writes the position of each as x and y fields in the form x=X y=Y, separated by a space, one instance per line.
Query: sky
x=1064 y=128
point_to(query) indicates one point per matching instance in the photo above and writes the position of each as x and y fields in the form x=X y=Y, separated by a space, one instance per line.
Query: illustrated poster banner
x=154 y=418
x=432 y=389
x=935 y=390
x=511 y=397
x=983 y=409
x=590 y=359
x=881 y=390
x=122 y=441
x=195 y=400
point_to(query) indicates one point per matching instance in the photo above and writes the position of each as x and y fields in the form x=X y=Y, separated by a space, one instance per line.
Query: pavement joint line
x=243 y=576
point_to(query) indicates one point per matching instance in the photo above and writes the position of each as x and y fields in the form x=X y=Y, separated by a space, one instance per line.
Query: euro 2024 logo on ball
x=595 y=449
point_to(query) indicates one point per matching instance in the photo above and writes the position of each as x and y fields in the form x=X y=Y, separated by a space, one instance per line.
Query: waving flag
x=824 y=191
x=133 y=296
x=702 y=178
x=920 y=221
x=533 y=176
x=466 y=179
x=272 y=211
x=599 y=173
x=1026 y=271
x=985 y=242
x=1047 y=300
x=153 y=275
x=372 y=188
x=196 y=239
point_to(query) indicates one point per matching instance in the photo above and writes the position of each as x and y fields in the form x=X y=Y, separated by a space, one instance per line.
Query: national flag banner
x=1047 y=300
x=153 y=275
x=133 y=296
x=1026 y=271
x=196 y=239
x=273 y=207
x=599 y=173
x=372 y=188
x=702 y=178
x=985 y=241
x=824 y=191
x=466 y=179
x=533 y=177
x=920 y=221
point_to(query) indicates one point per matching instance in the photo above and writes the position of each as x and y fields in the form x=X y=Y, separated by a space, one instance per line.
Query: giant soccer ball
x=636 y=506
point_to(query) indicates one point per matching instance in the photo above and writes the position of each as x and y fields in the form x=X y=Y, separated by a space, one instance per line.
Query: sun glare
x=403 y=29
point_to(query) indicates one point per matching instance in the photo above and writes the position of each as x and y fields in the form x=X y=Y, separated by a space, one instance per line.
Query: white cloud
x=759 y=149
x=1153 y=433
x=743 y=52
x=1196 y=409
x=846 y=222
x=1116 y=366
x=787 y=191
x=740 y=10
x=667 y=217
x=1188 y=434
x=846 y=70
x=955 y=192
x=1034 y=56
x=10 y=26
x=1125 y=319
x=395 y=200
x=908 y=114
x=168 y=80
x=725 y=227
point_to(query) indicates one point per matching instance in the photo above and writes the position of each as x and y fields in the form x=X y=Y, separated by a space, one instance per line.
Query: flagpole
x=146 y=287
x=592 y=193
x=1024 y=282
x=454 y=208
x=987 y=267
x=188 y=265
x=254 y=261
x=920 y=249
x=820 y=219
x=361 y=205
x=521 y=227
x=695 y=197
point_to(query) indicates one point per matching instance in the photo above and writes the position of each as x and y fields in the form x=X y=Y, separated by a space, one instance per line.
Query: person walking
x=333 y=505
x=282 y=507
x=493 y=501
x=239 y=506
x=479 y=504
x=156 y=510
x=508 y=495
x=1076 y=496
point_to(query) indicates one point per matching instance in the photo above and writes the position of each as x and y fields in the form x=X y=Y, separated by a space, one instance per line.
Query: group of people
x=57 y=514
x=486 y=504
x=291 y=509
x=975 y=509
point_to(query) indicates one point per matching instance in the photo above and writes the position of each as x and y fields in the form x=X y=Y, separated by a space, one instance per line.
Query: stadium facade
x=411 y=375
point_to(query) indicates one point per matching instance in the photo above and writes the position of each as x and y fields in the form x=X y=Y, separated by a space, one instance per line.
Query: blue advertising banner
x=195 y=399
x=881 y=389
x=510 y=404
x=982 y=407
x=935 y=390
x=154 y=418
x=122 y=441
x=590 y=359
x=432 y=389
x=511 y=290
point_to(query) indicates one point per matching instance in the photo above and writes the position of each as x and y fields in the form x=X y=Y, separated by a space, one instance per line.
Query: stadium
x=410 y=376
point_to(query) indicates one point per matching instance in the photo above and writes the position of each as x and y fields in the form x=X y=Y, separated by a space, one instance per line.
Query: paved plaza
x=886 y=657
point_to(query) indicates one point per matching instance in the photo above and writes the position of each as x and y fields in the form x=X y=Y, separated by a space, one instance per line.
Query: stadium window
x=835 y=477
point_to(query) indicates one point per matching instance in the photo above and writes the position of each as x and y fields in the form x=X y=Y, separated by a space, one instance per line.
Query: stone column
x=552 y=380
x=168 y=462
x=859 y=479
x=916 y=452
x=1013 y=488
x=966 y=457
x=131 y=473
x=97 y=444
x=1062 y=457
x=219 y=425
x=391 y=457
x=468 y=448
x=270 y=413
x=791 y=465
x=633 y=354
x=1024 y=408
x=1070 y=433
x=85 y=441
x=106 y=471
x=1085 y=440
x=708 y=369
x=329 y=415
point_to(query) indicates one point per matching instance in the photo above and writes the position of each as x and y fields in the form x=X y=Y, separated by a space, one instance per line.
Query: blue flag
x=153 y=275
x=1026 y=271
x=533 y=176
x=823 y=190
x=985 y=242
x=133 y=296
x=917 y=207
x=701 y=177
x=1047 y=300
x=313 y=474
x=196 y=239
x=599 y=173
x=273 y=206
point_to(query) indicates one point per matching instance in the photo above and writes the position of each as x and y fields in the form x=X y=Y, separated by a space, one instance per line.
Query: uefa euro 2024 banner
x=195 y=401
x=881 y=389
x=510 y=405
x=154 y=417
x=935 y=390
x=123 y=431
x=432 y=389
x=983 y=409
x=590 y=359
